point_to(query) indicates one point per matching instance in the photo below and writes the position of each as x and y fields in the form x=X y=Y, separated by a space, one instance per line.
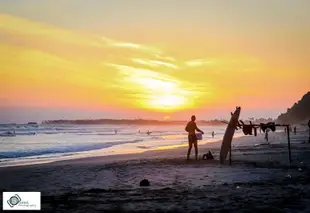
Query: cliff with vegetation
x=299 y=113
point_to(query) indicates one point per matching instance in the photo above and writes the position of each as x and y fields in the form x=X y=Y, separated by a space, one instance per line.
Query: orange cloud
x=46 y=65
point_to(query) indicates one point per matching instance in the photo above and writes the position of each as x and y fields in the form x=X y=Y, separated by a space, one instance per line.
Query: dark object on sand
x=208 y=156
x=144 y=182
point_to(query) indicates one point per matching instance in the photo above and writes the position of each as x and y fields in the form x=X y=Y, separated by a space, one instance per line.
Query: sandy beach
x=260 y=179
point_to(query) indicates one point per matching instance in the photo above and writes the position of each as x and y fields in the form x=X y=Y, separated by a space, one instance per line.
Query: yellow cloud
x=46 y=65
x=154 y=63
x=199 y=62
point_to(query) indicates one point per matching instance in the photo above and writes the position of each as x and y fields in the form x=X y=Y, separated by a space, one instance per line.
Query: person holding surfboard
x=192 y=138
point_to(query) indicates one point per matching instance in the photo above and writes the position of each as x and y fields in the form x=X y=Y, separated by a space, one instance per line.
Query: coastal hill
x=299 y=113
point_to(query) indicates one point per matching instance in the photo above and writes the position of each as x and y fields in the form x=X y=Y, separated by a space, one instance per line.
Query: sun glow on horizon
x=167 y=117
x=168 y=102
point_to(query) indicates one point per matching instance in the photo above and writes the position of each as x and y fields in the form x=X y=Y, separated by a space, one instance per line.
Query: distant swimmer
x=213 y=133
x=192 y=138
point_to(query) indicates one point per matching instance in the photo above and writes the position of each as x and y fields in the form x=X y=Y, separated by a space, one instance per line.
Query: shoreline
x=79 y=159
x=180 y=152
x=259 y=179
x=64 y=143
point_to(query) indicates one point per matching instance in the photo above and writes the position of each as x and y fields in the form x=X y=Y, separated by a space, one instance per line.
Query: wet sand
x=260 y=179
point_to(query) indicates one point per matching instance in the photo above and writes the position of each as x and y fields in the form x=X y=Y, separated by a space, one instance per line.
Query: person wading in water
x=192 y=139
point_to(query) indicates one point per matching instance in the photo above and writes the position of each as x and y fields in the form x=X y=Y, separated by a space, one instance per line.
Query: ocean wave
x=25 y=133
x=68 y=149
x=49 y=133
x=144 y=147
x=12 y=134
x=157 y=138
x=70 y=132
x=108 y=133
x=7 y=135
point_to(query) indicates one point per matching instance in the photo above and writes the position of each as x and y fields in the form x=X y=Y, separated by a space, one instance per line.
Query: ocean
x=48 y=143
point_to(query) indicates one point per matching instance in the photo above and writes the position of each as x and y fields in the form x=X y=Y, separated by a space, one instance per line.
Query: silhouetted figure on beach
x=192 y=139
x=266 y=135
x=295 y=130
x=213 y=133
x=148 y=132
x=115 y=132
x=285 y=130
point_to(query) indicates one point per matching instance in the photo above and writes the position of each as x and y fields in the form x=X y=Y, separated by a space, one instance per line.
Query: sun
x=158 y=92
x=167 y=101
x=167 y=117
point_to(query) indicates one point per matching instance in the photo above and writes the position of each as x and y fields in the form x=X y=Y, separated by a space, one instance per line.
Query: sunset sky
x=163 y=59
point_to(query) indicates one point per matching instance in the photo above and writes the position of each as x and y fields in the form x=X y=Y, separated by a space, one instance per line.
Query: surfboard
x=229 y=133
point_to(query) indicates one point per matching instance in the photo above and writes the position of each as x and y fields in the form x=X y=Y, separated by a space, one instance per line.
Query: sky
x=169 y=59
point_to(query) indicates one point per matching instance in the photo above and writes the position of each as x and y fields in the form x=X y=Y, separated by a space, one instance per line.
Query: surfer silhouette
x=192 y=139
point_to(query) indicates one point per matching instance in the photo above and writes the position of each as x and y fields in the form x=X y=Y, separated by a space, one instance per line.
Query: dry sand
x=260 y=179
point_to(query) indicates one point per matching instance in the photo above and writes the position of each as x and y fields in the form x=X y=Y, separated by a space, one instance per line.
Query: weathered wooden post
x=309 y=131
x=289 y=143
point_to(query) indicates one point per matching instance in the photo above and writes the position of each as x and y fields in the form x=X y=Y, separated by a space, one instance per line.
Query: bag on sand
x=208 y=156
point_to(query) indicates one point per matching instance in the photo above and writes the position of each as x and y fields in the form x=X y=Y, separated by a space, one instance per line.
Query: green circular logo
x=14 y=200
